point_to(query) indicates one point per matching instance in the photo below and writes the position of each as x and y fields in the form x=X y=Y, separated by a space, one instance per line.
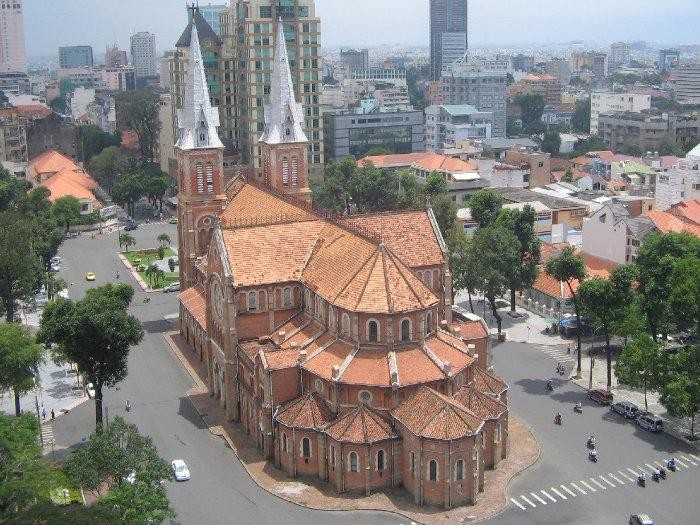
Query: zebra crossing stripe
x=661 y=465
x=538 y=498
x=599 y=484
x=625 y=475
x=641 y=469
x=689 y=460
x=651 y=467
x=695 y=456
x=588 y=486
x=573 y=494
x=606 y=481
x=528 y=501
x=558 y=493
x=635 y=474
x=518 y=504
x=550 y=497
x=578 y=488
x=681 y=463
x=613 y=476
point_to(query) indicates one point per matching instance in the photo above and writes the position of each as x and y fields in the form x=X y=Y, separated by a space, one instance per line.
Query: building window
x=497 y=433
x=433 y=470
x=252 y=301
x=412 y=463
x=284 y=442
x=428 y=322
x=306 y=448
x=364 y=396
x=346 y=324
x=352 y=462
x=381 y=460
x=459 y=381
x=459 y=470
x=210 y=177
x=287 y=296
x=285 y=171
x=295 y=171
x=318 y=385
x=332 y=454
x=406 y=330
x=373 y=331
x=200 y=177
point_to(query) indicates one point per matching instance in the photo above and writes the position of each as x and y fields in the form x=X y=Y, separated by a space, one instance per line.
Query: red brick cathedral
x=328 y=338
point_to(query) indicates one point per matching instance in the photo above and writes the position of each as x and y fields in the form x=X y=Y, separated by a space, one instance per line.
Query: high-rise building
x=247 y=60
x=522 y=62
x=13 y=58
x=210 y=13
x=115 y=57
x=560 y=69
x=480 y=83
x=75 y=56
x=597 y=63
x=668 y=58
x=143 y=54
x=448 y=34
x=619 y=54
x=687 y=85
x=547 y=86
x=354 y=59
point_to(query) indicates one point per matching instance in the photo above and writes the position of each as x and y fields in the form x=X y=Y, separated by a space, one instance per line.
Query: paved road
x=220 y=490
x=564 y=472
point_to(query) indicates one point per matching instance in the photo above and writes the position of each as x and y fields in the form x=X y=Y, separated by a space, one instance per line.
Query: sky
x=49 y=24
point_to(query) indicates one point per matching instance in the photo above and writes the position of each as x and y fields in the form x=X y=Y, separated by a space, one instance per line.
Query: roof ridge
x=434 y=358
x=387 y=290
x=375 y=255
x=348 y=359
x=397 y=263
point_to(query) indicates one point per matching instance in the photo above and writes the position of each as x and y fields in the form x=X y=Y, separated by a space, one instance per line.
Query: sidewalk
x=313 y=493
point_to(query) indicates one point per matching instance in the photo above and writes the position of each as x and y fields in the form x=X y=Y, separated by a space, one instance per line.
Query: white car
x=90 y=388
x=55 y=259
x=182 y=473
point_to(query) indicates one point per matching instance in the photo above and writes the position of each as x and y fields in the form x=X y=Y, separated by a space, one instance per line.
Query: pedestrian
x=53 y=415
x=43 y=413
x=568 y=349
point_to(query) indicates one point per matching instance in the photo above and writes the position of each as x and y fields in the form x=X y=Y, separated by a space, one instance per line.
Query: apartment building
x=602 y=102
x=13 y=136
x=75 y=56
x=687 y=84
x=547 y=86
x=446 y=125
x=682 y=182
x=13 y=57
x=143 y=54
x=537 y=162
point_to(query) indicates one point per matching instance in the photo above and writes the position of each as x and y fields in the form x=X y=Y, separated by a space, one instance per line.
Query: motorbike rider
x=593 y=454
x=117 y=275
x=550 y=385
x=578 y=406
x=127 y=405
x=557 y=418
x=656 y=474
x=671 y=463
x=642 y=478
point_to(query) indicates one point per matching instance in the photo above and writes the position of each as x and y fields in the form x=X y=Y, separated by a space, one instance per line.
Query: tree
x=522 y=223
x=638 y=365
x=684 y=300
x=20 y=357
x=531 y=109
x=445 y=211
x=581 y=119
x=592 y=143
x=67 y=210
x=171 y=265
x=632 y=149
x=336 y=191
x=375 y=189
x=411 y=194
x=138 y=110
x=680 y=390
x=462 y=261
x=126 y=240
x=568 y=176
x=603 y=300
x=485 y=205
x=96 y=333
x=127 y=190
x=164 y=239
x=161 y=252
x=551 y=142
x=151 y=273
x=156 y=187
x=495 y=252
x=378 y=151
x=95 y=141
x=435 y=184
x=54 y=285
x=107 y=166
x=513 y=129
x=568 y=267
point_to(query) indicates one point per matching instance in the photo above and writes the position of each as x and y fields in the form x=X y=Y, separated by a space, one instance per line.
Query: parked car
x=182 y=473
x=130 y=227
x=90 y=389
x=601 y=396
x=55 y=268
x=625 y=408
x=640 y=519
x=174 y=287
x=650 y=422
x=55 y=259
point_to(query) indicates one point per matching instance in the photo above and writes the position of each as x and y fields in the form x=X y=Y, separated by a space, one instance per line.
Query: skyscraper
x=248 y=32
x=13 y=58
x=75 y=56
x=115 y=57
x=210 y=13
x=143 y=54
x=448 y=34
x=619 y=54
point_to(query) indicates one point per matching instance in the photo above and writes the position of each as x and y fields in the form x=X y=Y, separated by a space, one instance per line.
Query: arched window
x=318 y=385
x=406 y=330
x=287 y=296
x=433 y=470
x=412 y=463
x=306 y=448
x=285 y=171
x=497 y=433
x=332 y=456
x=429 y=279
x=252 y=301
x=352 y=462
x=319 y=306
x=284 y=442
x=210 y=177
x=373 y=331
x=364 y=396
x=381 y=461
x=346 y=324
x=428 y=322
x=200 y=177
x=295 y=171
x=459 y=470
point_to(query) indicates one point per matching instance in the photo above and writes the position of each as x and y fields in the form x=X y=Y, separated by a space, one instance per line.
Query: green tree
x=161 y=252
x=581 y=120
x=20 y=357
x=54 y=285
x=107 y=166
x=568 y=176
x=156 y=187
x=172 y=264
x=485 y=205
x=46 y=512
x=638 y=365
x=632 y=149
x=164 y=239
x=411 y=194
x=375 y=189
x=445 y=211
x=67 y=210
x=378 y=151
x=568 y=267
x=680 y=390
x=487 y=153
x=684 y=300
x=603 y=300
x=592 y=143
x=336 y=191
x=127 y=190
x=138 y=111
x=95 y=141
x=47 y=238
x=96 y=333
x=435 y=184
x=462 y=262
x=495 y=252
x=531 y=109
x=513 y=129
x=551 y=142
x=126 y=240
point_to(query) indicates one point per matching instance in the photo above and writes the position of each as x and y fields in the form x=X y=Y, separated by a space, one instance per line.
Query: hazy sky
x=51 y=23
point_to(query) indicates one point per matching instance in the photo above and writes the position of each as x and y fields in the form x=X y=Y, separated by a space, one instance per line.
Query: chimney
x=302 y=356
x=335 y=371
x=471 y=349
x=280 y=336
x=457 y=331
x=443 y=325
x=447 y=367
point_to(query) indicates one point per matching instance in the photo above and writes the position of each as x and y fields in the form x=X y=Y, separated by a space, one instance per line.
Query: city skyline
x=49 y=26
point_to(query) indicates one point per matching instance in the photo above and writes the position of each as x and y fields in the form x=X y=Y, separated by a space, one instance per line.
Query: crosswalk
x=600 y=483
x=46 y=433
x=557 y=353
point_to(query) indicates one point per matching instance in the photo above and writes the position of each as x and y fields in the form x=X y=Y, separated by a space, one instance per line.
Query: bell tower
x=199 y=153
x=283 y=142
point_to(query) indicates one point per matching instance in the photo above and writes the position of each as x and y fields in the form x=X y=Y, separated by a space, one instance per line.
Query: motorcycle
x=550 y=385
x=662 y=473
x=593 y=456
x=147 y=300
x=642 y=481
x=560 y=369
x=578 y=408
x=557 y=419
x=671 y=464
x=656 y=477
x=590 y=443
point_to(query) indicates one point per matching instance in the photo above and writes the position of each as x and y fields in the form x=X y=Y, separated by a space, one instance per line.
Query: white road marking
x=651 y=467
x=613 y=476
x=550 y=497
x=659 y=464
x=528 y=501
x=538 y=498
x=558 y=493
x=518 y=504
x=606 y=481
x=588 y=486
x=689 y=460
x=635 y=474
x=681 y=463
x=695 y=456
x=625 y=476
x=641 y=469
x=597 y=483
x=573 y=494
x=579 y=489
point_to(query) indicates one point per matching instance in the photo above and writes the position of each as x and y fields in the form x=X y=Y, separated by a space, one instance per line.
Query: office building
x=75 y=56
x=15 y=83
x=687 y=85
x=446 y=125
x=522 y=62
x=560 y=69
x=210 y=13
x=143 y=54
x=668 y=59
x=595 y=62
x=120 y=78
x=619 y=54
x=480 y=83
x=248 y=31
x=648 y=130
x=13 y=58
x=356 y=131
x=164 y=68
x=605 y=102
x=354 y=59
x=547 y=86
x=448 y=34
x=115 y=57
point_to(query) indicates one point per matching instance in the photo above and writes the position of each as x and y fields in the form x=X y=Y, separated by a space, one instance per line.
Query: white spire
x=284 y=116
x=197 y=120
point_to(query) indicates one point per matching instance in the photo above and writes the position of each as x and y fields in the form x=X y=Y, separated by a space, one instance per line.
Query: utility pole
x=590 y=373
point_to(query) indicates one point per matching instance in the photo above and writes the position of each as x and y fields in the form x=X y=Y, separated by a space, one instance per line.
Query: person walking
x=43 y=413
x=53 y=415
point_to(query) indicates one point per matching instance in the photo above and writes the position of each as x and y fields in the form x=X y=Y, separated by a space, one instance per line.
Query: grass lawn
x=59 y=497
x=139 y=259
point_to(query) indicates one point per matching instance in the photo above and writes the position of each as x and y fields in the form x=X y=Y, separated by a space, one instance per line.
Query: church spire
x=197 y=120
x=284 y=116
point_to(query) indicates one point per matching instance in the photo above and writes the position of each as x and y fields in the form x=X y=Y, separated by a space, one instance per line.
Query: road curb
x=137 y=277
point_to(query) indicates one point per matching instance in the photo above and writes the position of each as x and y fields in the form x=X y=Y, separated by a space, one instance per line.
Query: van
x=651 y=422
x=625 y=408
x=600 y=396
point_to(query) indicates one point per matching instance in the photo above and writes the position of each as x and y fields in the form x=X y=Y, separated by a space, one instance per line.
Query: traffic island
x=314 y=493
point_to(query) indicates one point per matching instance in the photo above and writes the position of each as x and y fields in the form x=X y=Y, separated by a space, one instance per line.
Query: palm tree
x=126 y=240
x=160 y=275
x=164 y=240
x=151 y=272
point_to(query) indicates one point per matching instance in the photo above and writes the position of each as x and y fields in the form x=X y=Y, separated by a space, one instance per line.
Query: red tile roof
x=687 y=211
x=308 y=412
x=481 y=404
x=487 y=383
x=424 y=161
x=470 y=329
x=666 y=222
x=362 y=425
x=194 y=301
x=548 y=285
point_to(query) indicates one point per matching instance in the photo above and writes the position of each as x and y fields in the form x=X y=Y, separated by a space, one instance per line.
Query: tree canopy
x=20 y=357
x=138 y=111
x=531 y=109
x=551 y=142
x=581 y=120
x=107 y=165
x=67 y=210
x=95 y=140
x=485 y=205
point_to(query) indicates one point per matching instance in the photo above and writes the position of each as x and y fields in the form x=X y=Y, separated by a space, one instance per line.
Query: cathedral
x=329 y=339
